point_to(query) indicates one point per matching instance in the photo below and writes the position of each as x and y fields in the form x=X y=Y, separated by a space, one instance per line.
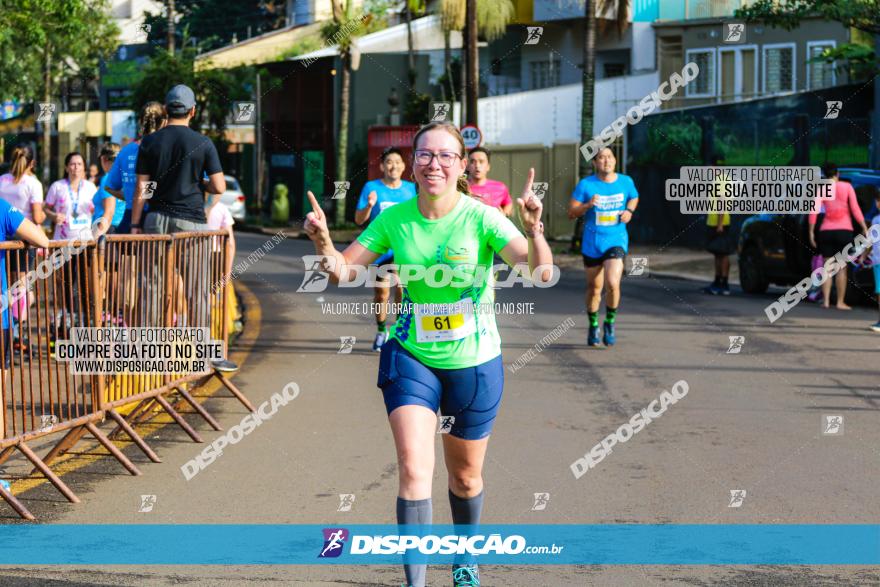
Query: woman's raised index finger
x=316 y=207
x=529 y=180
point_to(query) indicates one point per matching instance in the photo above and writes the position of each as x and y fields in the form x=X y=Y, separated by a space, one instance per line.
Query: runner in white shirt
x=20 y=188
x=69 y=201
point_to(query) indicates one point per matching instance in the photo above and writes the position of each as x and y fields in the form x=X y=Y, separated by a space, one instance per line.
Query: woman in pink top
x=20 y=188
x=492 y=193
x=836 y=231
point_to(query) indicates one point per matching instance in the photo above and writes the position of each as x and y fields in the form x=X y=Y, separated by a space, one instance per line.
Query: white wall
x=554 y=114
x=537 y=116
x=614 y=96
x=129 y=16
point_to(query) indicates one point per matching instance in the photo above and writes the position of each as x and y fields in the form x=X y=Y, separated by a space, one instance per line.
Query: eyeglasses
x=444 y=158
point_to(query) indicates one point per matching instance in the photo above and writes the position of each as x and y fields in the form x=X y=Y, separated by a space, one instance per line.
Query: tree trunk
x=171 y=26
x=411 y=55
x=46 y=155
x=447 y=66
x=589 y=81
x=342 y=145
x=473 y=73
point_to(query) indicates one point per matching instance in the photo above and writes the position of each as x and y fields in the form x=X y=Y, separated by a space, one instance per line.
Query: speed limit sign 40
x=472 y=136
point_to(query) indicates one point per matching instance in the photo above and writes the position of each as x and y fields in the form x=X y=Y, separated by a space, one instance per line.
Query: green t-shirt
x=463 y=242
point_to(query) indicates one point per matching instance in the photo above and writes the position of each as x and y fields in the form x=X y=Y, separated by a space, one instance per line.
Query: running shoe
x=593 y=336
x=381 y=338
x=608 y=336
x=467 y=576
x=713 y=290
x=224 y=366
x=724 y=290
x=875 y=327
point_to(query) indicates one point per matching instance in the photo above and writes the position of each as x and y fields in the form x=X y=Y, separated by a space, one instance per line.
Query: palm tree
x=620 y=8
x=412 y=8
x=340 y=18
x=492 y=18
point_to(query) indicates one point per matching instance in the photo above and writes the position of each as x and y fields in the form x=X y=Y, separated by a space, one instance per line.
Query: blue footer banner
x=519 y=544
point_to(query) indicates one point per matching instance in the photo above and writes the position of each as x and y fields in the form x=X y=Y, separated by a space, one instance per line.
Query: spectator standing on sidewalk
x=174 y=159
x=836 y=231
x=719 y=241
x=170 y=165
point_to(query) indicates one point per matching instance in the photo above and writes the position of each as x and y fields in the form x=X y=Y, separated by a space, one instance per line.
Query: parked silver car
x=233 y=198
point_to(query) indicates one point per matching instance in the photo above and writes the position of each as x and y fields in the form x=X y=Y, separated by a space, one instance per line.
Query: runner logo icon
x=446 y=423
x=441 y=111
x=736 y=344
x=340 y=189
x=539 y=188
x=346 y=344
x=734 y=32
x=832 y=109
x=346 y=500
x=737 y=497
x=832 y=425
x=534 y=35
x=45 y=111
x=334 y=541
x=638 y=267
x=315 y=278
x=541 y=501
x=147 y=503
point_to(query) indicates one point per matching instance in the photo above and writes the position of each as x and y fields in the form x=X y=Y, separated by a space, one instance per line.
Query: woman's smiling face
x=433 y=178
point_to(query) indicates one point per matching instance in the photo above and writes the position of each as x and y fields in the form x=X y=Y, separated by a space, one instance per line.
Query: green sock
x=380 y=325
x=594 y=318
x=610 y=315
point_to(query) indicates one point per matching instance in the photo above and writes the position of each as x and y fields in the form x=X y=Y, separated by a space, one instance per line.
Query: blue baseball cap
x=180 y=99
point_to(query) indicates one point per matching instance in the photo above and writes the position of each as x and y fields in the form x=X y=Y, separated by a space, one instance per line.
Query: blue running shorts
x=472 y=394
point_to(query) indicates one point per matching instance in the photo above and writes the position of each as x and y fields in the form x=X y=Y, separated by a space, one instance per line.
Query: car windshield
x=232 y=184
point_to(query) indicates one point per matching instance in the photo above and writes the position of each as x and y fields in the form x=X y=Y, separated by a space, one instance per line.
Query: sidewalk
x=676 y=262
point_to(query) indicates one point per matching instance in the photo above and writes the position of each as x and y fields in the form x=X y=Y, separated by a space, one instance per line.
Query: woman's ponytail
x=21 y=162
x=463 y=185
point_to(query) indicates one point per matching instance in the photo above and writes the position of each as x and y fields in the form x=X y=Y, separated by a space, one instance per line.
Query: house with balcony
x=763 y=62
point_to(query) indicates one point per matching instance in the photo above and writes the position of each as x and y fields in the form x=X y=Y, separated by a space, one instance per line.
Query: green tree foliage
x=214 y=23
x=54 y=39
x=215 y=89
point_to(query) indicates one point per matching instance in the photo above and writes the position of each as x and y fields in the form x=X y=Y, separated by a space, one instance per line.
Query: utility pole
x=170 y=5
x=473 y=60
x=258 y=148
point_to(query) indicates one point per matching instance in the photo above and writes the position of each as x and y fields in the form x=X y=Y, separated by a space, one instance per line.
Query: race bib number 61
x=444 y=322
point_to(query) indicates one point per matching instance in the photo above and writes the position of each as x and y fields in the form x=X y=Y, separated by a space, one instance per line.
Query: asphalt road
x=751 y=420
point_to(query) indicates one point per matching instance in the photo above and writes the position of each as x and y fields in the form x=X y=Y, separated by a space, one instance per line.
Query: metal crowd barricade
x=122 y=280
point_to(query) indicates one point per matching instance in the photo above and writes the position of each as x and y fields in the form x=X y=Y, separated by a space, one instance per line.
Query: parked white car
x=233 y=198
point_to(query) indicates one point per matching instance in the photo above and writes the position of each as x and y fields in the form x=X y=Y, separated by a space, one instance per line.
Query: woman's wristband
x=537 y=229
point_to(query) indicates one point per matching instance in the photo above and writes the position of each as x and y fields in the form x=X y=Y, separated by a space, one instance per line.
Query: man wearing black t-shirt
x=170 y=166
x=171 y=163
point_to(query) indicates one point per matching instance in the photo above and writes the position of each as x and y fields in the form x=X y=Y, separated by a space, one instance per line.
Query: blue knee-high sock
x=414 y=512
x=465 y=511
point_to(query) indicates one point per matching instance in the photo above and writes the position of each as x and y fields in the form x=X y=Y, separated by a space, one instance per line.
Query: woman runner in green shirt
x=444 y=352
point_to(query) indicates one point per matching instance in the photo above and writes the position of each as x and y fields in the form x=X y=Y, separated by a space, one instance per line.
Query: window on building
x=614 y=69
x=819 y=73
x=545 y=74
x=778 y=68
x=704 y=84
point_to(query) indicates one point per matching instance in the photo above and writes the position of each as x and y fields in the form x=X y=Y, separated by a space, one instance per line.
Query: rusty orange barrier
x=122 y=280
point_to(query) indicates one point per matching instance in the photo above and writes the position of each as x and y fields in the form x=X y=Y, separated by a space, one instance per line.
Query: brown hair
x=110 y=150
x=151 y=118
x=462 y=183
x=22 y=157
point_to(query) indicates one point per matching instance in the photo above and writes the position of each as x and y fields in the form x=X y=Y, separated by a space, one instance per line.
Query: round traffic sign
x=472 y=136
